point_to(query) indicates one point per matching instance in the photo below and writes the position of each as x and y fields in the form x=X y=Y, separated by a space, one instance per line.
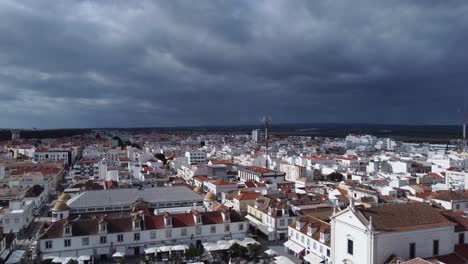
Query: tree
x=253 y=249
x=335 y=177
x=193 y=252
x=122 y=261
x=73 y=261
x=237 y=250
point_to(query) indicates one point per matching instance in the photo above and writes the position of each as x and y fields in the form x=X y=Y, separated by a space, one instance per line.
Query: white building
x=19 y=215
x=456 y=180
x=44 y=154
x=258 y=135
x=195 y=157
x=101 y=236
x=309 y=238
x=456 y=201
x=259 y=174
x=372 y=235
x=293 y=172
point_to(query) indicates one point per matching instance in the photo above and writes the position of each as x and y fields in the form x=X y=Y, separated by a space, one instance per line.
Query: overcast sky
x=175 y=63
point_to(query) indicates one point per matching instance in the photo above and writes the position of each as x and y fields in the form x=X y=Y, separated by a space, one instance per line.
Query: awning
x=212 y=248
x=179 y=247
x=271 y=252
x=253 y=221
x=248 y=240
x=262 y=227
x=165 y=248
x=118 y=255
x=313 y=259
x=151 y=250
x=283 y=260
x=293 y=246
x=84 y=258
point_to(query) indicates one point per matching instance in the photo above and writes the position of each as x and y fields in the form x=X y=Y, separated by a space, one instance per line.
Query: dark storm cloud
x=163 y=63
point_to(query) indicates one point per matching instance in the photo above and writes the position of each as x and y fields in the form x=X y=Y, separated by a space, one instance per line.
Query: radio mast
x=266 y=121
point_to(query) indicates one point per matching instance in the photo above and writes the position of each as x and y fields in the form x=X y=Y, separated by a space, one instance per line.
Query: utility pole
x=266 y=121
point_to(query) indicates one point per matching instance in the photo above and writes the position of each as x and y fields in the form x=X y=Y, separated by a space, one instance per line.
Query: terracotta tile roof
x=451 y=196
x=223 y=182
x=417 y=261
x=462 y=251
x=247 y=196
x=403 y=217
x=123 y=222
x=436 y=175
x=451 y=259
x=315 y=223
x=201 y=178
x=458 y=218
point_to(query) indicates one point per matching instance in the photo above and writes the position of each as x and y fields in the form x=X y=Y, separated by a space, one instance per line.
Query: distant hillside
x=41 y=134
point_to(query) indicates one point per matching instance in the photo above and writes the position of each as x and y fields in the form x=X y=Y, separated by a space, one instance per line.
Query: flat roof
x=113 y=197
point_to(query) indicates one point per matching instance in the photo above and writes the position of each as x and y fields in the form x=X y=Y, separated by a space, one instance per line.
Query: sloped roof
x=404 y=217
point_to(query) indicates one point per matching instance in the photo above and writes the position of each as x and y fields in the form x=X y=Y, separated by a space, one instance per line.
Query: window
x=168 y=233
x=136 y=236
x=183 y=232
x=213 y=229
x=198 y=230
x=321 y=249
x=16 y=220
x=412 y=250
x=308 y=242
x=461 y=238
x=241 y=226
x=289 y=221
x=48 y=244
x=282 y=222
x=435 y=247
x=350 y=246
x=103 y=227
x=67 y=230
x=328 y=253
x=152 y=234
x=67 y=243
x=85 y=241
x=137 y=224
x=302 y=239
x=103 y=239
x=226 y=228
x=314 y=245
x=457 y=206
x=119 y=238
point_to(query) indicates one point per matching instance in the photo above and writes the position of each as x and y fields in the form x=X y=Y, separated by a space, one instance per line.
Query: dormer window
x=309 y=231
x=103 y=227
x=226 y=216
x=269 y=210
x=168 y=221
x=322 y=237
x=198 y=219
x=67 y=230
x=285 y=212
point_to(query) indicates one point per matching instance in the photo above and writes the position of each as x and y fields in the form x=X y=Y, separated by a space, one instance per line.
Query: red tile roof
x=247 y=196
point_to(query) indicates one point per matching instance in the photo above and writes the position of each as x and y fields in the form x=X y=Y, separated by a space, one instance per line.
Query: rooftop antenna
x=266 y=121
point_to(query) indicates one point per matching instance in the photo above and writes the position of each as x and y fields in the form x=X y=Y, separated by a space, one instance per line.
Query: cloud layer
x=176 y=63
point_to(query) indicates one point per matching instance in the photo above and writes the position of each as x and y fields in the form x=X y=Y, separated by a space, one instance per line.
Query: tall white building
x=196 y=157
x=258 y=135
x=456 y=180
